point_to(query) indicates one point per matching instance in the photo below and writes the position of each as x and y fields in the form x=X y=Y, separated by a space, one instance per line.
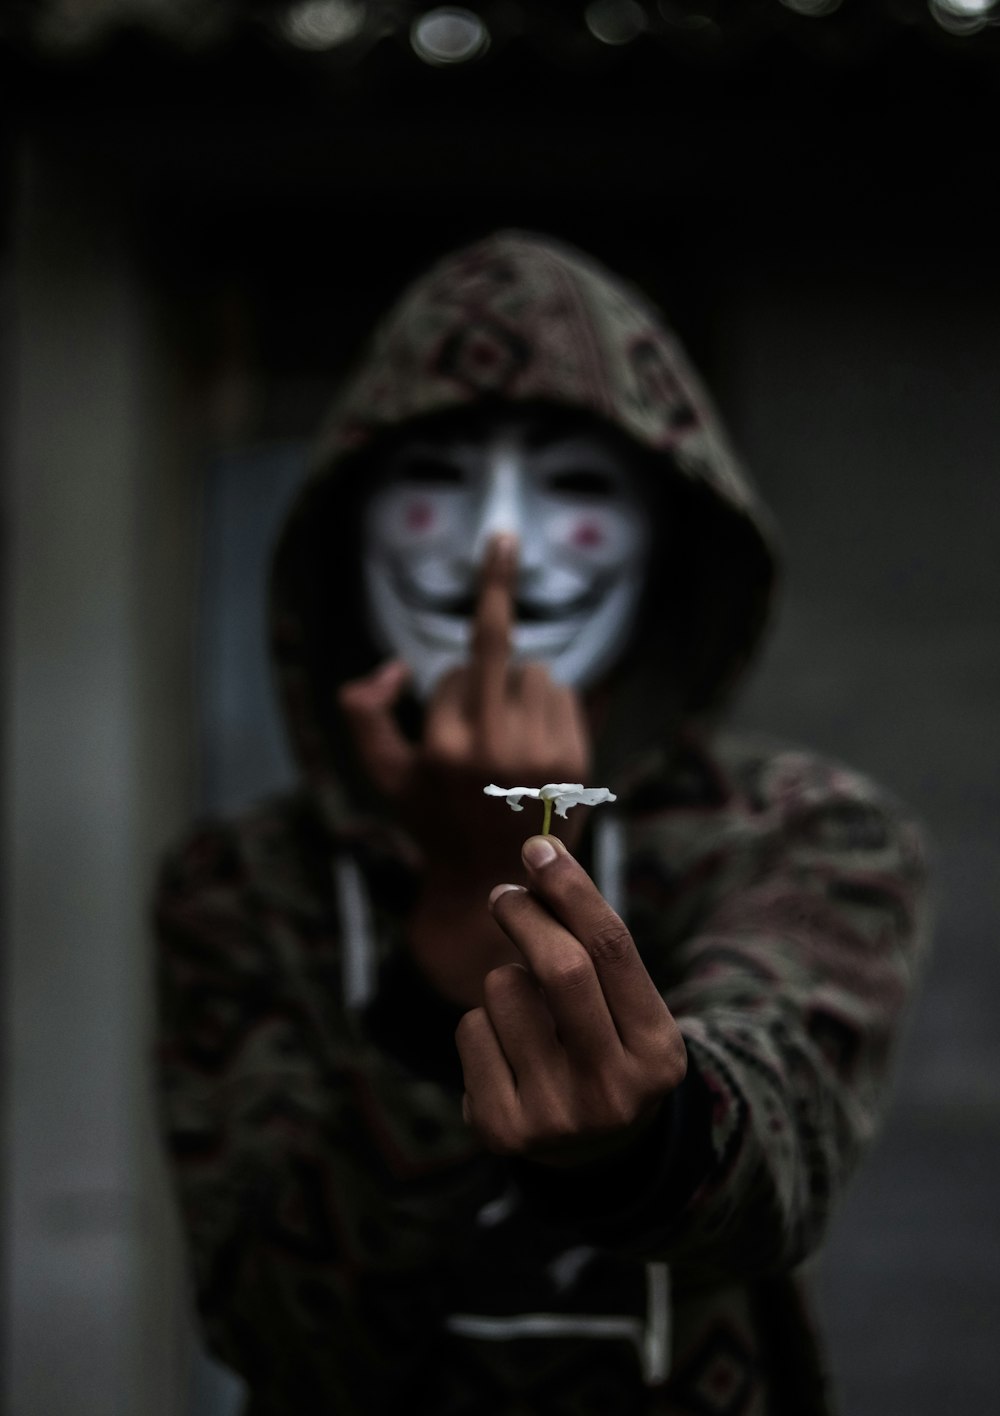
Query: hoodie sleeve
x=789 y=986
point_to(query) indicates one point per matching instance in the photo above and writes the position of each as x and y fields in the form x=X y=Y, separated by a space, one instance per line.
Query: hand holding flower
x=573 y=1049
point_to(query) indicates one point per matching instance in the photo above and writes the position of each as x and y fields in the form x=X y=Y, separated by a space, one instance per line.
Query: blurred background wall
x=204 y=208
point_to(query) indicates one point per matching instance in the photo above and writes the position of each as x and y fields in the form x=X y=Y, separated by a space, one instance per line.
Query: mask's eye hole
x=429 y=472
x=581 y=482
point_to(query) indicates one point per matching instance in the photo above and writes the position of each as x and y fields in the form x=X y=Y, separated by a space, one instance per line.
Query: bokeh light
x=813 y=8
x=963 y=17
x=324 y=24
x=615 y=21
x=967 y=8
x=449 y=35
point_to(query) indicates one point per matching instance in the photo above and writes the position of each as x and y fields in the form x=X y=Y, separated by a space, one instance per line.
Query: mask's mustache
x=524 y=611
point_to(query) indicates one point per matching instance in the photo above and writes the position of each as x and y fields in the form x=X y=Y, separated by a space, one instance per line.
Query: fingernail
x=538 y=851
x=504 y=548
x=499 y=890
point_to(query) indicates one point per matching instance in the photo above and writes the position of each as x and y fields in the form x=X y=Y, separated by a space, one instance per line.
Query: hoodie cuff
x=630 y=1199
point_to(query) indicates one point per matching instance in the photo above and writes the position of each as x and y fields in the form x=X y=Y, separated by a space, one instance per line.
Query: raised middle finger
x=491 y=633
x=565 y=973
x=633 y=1000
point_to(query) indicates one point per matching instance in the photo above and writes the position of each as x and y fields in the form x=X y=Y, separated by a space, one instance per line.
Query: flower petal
x=552 y=790
x=566 y=794
x=593 y=796
x=513 y=794
x=563 y=795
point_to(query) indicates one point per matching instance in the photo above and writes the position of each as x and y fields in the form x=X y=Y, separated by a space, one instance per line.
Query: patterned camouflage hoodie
x=353 y=1249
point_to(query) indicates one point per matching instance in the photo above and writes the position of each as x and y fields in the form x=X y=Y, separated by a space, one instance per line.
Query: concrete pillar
x=98 y=775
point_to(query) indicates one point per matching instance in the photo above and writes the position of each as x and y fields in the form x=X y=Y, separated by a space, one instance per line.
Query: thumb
x=367 y=704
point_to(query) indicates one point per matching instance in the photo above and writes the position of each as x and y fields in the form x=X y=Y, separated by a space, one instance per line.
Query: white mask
x=582 y=531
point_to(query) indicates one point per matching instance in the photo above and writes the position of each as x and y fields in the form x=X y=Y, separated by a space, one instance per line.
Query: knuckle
x=500 y=983
x=664 y=1064
x=614 y=1106
x=570 y=975
x=548 y=1117
x=611 y=943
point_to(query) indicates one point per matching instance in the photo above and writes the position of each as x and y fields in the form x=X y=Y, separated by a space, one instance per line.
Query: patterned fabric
x=526 y=320
x=353 y=1249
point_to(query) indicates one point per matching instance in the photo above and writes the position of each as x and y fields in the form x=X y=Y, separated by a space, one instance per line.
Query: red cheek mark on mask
x=587 y=535
x=418 y=517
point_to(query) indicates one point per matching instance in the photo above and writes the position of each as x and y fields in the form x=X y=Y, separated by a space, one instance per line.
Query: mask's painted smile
x=573 y=505
x=463 y=607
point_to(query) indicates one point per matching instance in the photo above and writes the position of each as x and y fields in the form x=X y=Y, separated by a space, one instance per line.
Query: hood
x=519 y=320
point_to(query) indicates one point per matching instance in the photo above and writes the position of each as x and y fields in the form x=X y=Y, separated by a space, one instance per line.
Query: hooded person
x=457 y=1127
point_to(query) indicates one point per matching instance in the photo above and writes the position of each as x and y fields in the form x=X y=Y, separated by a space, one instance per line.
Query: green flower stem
x=547 y=817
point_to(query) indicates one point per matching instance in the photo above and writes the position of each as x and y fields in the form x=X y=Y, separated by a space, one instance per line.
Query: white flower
x=513 y=794
x=562 y=795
